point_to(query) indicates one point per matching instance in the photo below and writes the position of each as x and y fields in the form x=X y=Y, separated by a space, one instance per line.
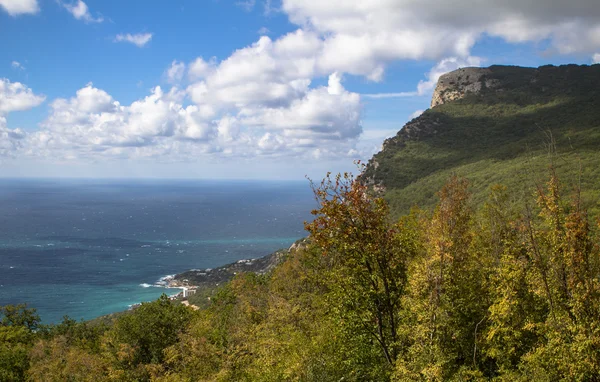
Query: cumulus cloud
x=80 y=11
x=362 y=37
x=14 y=96
x=269 y=73
x=11 y=140
x=139 y=39
x=93 y=119
x=324 y=113
x=596 y=58
x=199 y=68
x=19 y=7
x=175 y=72
x=325 y=120
x=260 y=100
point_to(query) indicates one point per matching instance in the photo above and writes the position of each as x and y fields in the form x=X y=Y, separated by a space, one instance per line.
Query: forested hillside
x=497 y=293
x=496 y=125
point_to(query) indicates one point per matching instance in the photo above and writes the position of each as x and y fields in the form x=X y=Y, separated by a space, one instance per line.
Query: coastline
x=205 y=280
x=165 y=283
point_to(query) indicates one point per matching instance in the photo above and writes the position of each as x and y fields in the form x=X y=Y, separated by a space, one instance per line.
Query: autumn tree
x=446 y=299
x=366 y=261
x=564 y=275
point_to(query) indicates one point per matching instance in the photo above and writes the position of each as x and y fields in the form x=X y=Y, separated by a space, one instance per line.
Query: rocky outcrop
x=457 y=84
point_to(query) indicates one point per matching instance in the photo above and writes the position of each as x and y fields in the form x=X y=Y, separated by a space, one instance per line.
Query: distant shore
x=213 y=277
x=206 y=279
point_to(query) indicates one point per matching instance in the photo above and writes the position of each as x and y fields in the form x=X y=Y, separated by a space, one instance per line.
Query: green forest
x=468 y=291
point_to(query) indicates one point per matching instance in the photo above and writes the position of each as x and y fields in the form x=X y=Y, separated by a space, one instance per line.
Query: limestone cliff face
x=455 y=85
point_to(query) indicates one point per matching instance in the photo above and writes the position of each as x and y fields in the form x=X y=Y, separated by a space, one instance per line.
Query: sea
x=86 y=248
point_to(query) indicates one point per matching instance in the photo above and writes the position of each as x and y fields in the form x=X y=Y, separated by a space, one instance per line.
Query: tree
x=17 y=326
x=366 y=269
x=19 y=315
x=446 y=298
x=564 y=274
x=148 y=330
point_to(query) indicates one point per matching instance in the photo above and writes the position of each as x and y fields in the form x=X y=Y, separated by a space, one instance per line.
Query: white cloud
x=14 y=96
x=139 y=39
x=361 y=37
x=228 y=128
x=323 y=121
x=80 y=11
x=175 y=72
x=324 y=113
x=199 y=68
x=93 y=124
x=268 y=73
x=11 y=140
x=95 y=118
x=17 y=65
x=258 y=101
x=596 y=58
x=19 y=7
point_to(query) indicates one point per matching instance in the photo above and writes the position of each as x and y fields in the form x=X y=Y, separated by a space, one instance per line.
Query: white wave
x=145 y=285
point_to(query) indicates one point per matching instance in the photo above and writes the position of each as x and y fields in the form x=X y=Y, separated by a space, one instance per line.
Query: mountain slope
x=496 y=125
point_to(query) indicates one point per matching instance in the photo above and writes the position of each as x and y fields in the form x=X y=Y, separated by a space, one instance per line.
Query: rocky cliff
x=455 y=85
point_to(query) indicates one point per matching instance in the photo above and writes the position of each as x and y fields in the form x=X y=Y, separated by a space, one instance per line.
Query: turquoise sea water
x=86 y=248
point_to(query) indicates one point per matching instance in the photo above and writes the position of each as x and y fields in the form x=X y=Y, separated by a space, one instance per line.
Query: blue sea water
x=86 y=248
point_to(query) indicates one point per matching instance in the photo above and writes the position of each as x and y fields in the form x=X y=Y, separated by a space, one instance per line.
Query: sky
x=247 y=89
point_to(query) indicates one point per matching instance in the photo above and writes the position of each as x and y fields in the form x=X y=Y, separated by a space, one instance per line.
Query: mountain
x=496 y=125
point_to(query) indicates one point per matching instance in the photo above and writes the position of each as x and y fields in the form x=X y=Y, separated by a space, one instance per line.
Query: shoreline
x=204 y=280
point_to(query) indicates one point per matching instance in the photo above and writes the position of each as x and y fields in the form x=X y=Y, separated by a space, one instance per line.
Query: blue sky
x=247 y=89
